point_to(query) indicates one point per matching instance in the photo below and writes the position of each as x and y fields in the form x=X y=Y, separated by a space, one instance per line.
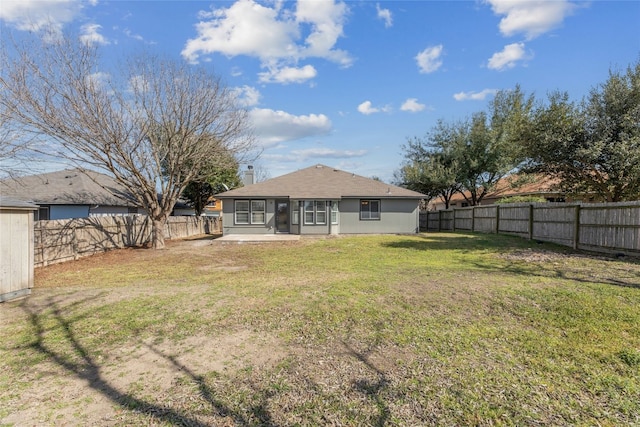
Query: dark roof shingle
x=11 y=202
x=67 y=187
x=321 y=182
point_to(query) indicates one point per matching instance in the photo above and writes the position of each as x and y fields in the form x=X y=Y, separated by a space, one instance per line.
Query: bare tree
x=153 y=123
x=13 y=148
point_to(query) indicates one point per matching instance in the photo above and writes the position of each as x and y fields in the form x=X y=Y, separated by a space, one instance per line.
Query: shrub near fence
x=601 y=227
x=63 y=240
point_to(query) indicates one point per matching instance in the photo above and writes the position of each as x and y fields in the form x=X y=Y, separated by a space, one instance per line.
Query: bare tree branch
x=154 y=124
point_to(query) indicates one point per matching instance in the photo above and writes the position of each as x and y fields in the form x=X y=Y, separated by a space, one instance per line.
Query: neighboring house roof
x=513 y=185
x=13 y=203
x=321 y=182
x=67 y=187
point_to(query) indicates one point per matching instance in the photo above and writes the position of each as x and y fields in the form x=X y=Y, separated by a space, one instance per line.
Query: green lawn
x=433 y=329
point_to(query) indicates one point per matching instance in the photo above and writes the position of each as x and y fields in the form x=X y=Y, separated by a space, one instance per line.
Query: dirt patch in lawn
x=72 y=382
x=144 y=375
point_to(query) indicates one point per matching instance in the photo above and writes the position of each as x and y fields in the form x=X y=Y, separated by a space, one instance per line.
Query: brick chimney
x=248 y=177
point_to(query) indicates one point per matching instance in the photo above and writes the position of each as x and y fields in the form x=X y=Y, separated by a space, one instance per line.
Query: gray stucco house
x=320 y=200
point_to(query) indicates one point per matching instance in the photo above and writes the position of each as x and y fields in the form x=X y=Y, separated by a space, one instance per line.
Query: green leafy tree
x=428 y=169
x=220 y=176
x=470 y=156
x=592 y=147
x=490 y=144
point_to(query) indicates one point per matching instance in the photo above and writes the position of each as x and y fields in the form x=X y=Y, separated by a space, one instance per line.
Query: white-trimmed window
x=369 y=210
x=315 y=212
x=258 y=213
x=309 y=212
x=334 y=212
x=295 y=213
x=321 y=212
x=250 y=212
x=242 y=212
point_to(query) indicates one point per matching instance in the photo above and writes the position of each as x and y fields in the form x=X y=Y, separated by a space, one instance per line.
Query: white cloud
x=366 y=108
x=273 y=127
x=412 y=105
x=99 y=79
x=247 y=96
x=245 y=28
x=531 y=18
x=38 y=15
x=385 y=15
x=127 y=32
x=429 y=59
x=474 y=96
x=326 y=19
x=288 y=75
x=272 y=34
x=89 y=34
x=508 y=57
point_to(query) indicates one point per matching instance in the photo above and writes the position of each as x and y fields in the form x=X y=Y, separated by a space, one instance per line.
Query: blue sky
x=345 y=83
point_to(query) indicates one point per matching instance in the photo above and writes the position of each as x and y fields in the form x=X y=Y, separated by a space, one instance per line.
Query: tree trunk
x=157 y=233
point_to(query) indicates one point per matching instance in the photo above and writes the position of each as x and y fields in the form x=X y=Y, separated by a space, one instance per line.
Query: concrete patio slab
x=240 y=238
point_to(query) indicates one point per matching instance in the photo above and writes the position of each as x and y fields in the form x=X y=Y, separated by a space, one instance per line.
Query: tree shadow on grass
x=504 y=244
x=258 y=410
x=430 y=242
x=372 y=389
x=69 y=353
x=607 y=274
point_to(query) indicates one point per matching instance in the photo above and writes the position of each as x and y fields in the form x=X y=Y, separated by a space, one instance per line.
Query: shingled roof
x=321 y=182
x=13 y=203
x=67 y=187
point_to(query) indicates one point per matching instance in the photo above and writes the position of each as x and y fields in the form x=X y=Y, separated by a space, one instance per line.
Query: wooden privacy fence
x=63 y=240
x=601 y=227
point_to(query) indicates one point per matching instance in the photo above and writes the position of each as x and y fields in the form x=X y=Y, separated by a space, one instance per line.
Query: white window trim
x=335 y=212
x=263 y=211
x=315 y=211
x=295 y=212
x=250 y=212
x=236 y=211
x=323 y=212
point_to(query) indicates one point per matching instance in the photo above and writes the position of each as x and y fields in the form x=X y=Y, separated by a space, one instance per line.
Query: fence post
x=74 y=242
x=531 y=222
x=576 y=228
x=473 y=218
x=497 y=219
x=453 y=221
x=439 y=220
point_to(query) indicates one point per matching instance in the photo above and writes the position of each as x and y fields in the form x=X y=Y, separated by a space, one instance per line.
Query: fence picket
x=600 y=227
x=63 y=240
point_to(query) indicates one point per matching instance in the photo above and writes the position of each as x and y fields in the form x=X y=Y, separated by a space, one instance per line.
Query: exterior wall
x=214 y=208
x=314 y=229
x=396 y=216
x=16 y=253
x=68 y=211
x=184 y=212
x=110 y=210
x=230 y=227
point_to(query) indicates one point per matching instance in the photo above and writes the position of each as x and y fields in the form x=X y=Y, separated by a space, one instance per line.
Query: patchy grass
x=443 y=329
